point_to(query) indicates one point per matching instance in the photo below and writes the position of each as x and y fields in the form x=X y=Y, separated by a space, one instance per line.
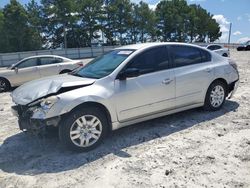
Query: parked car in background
x=244 y=46
x=128 y=85
x=219 y=49
x=33 y=68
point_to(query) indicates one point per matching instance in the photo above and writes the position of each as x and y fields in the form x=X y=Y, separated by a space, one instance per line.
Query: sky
x=225 y=12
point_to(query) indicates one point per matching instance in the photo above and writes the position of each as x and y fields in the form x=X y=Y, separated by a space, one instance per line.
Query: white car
x=35 y=67
x=219 y=49
x=128 y=85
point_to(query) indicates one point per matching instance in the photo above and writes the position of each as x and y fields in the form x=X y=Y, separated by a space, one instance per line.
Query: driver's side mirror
x=129 y=73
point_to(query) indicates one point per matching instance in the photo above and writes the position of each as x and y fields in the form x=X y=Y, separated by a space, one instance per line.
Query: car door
x=193 y=73
x=49 y=66
x=151 y=92
x=25 y=71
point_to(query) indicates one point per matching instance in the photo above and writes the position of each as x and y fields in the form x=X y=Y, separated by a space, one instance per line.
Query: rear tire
x=224 y=55
x=4 y=85
x=83 y=129
x=215 y=96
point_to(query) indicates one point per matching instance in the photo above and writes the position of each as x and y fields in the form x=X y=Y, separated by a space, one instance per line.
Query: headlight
x=47 y=103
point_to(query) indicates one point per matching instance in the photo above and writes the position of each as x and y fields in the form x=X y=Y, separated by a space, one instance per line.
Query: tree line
x=80 y=23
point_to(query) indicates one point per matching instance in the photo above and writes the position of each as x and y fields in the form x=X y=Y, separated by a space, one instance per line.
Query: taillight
x=80 y=64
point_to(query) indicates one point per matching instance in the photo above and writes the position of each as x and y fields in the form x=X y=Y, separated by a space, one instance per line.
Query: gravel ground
x=189 y=149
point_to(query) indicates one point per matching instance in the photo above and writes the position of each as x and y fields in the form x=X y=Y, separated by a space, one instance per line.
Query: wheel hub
x=217 y=96
x=86 y=130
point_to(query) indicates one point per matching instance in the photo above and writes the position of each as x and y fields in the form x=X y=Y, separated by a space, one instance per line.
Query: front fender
x=70 y=100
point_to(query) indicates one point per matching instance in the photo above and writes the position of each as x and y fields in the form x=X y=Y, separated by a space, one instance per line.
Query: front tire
x=216 y=95
x=84 y=129
x=4 y=85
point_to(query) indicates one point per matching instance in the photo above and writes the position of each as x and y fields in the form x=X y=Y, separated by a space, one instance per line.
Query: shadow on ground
x=24 y=154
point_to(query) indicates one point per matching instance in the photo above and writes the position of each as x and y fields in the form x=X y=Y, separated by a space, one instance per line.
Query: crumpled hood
x=36 y=89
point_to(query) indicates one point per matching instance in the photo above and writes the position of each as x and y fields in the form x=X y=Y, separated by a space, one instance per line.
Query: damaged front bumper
x=33 y=119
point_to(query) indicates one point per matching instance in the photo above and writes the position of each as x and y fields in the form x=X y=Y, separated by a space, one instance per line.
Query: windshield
x=103 y=65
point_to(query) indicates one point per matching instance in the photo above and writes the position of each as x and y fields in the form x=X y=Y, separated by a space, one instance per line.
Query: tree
x=213 y=31
x=2 y=34
x=118 y=18
x=202 y=26
x=144 y=22
x=79 y=23
x=58 y=16
x=90 y=16
x=34 y=15
x=172 y=20
x=16 y=31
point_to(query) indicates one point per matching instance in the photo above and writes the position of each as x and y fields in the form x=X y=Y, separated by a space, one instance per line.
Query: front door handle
x=208 y=70
x=167 y=81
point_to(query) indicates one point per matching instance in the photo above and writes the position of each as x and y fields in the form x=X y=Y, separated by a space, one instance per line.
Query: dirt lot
x=189 y=149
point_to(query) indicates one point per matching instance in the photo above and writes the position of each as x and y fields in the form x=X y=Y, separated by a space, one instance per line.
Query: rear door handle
x=208 y=70
x=167 y=81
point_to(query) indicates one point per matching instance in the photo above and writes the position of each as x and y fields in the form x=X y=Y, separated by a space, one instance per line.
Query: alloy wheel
x=217 y=96
x=3 y=85
x=86 y=131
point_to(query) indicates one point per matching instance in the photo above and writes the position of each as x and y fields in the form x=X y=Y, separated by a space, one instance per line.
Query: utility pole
x=229 y=37
x=65 y=36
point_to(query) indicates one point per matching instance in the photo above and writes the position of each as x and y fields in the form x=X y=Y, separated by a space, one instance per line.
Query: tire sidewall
x=208 y=105
x=66 y=123
x=6 y=83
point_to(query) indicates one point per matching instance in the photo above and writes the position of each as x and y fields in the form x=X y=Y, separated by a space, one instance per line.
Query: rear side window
x=218 y=47
x=58 y=60
x=151 y=60
x=47 y=60
x=185 y=55
x=214 y=47
x=211 y=47
x=205 y=55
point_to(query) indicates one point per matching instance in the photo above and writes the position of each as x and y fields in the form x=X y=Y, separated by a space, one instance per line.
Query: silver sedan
x=33 y=68
x=128 y=85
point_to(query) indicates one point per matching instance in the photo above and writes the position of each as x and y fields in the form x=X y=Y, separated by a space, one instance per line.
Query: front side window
x=28 y=63
x=186 y=55
x=103 y=65
x=151 y=60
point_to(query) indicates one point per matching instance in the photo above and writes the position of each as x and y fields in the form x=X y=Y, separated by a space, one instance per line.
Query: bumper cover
x=233 y=88
x=27 y=122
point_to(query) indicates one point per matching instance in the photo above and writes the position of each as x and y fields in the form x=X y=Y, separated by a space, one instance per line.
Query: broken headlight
x=47 y=103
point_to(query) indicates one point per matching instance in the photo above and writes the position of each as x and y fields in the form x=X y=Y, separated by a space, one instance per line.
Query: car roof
x=214 y=45
x=38 y=56
x=153 y=44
